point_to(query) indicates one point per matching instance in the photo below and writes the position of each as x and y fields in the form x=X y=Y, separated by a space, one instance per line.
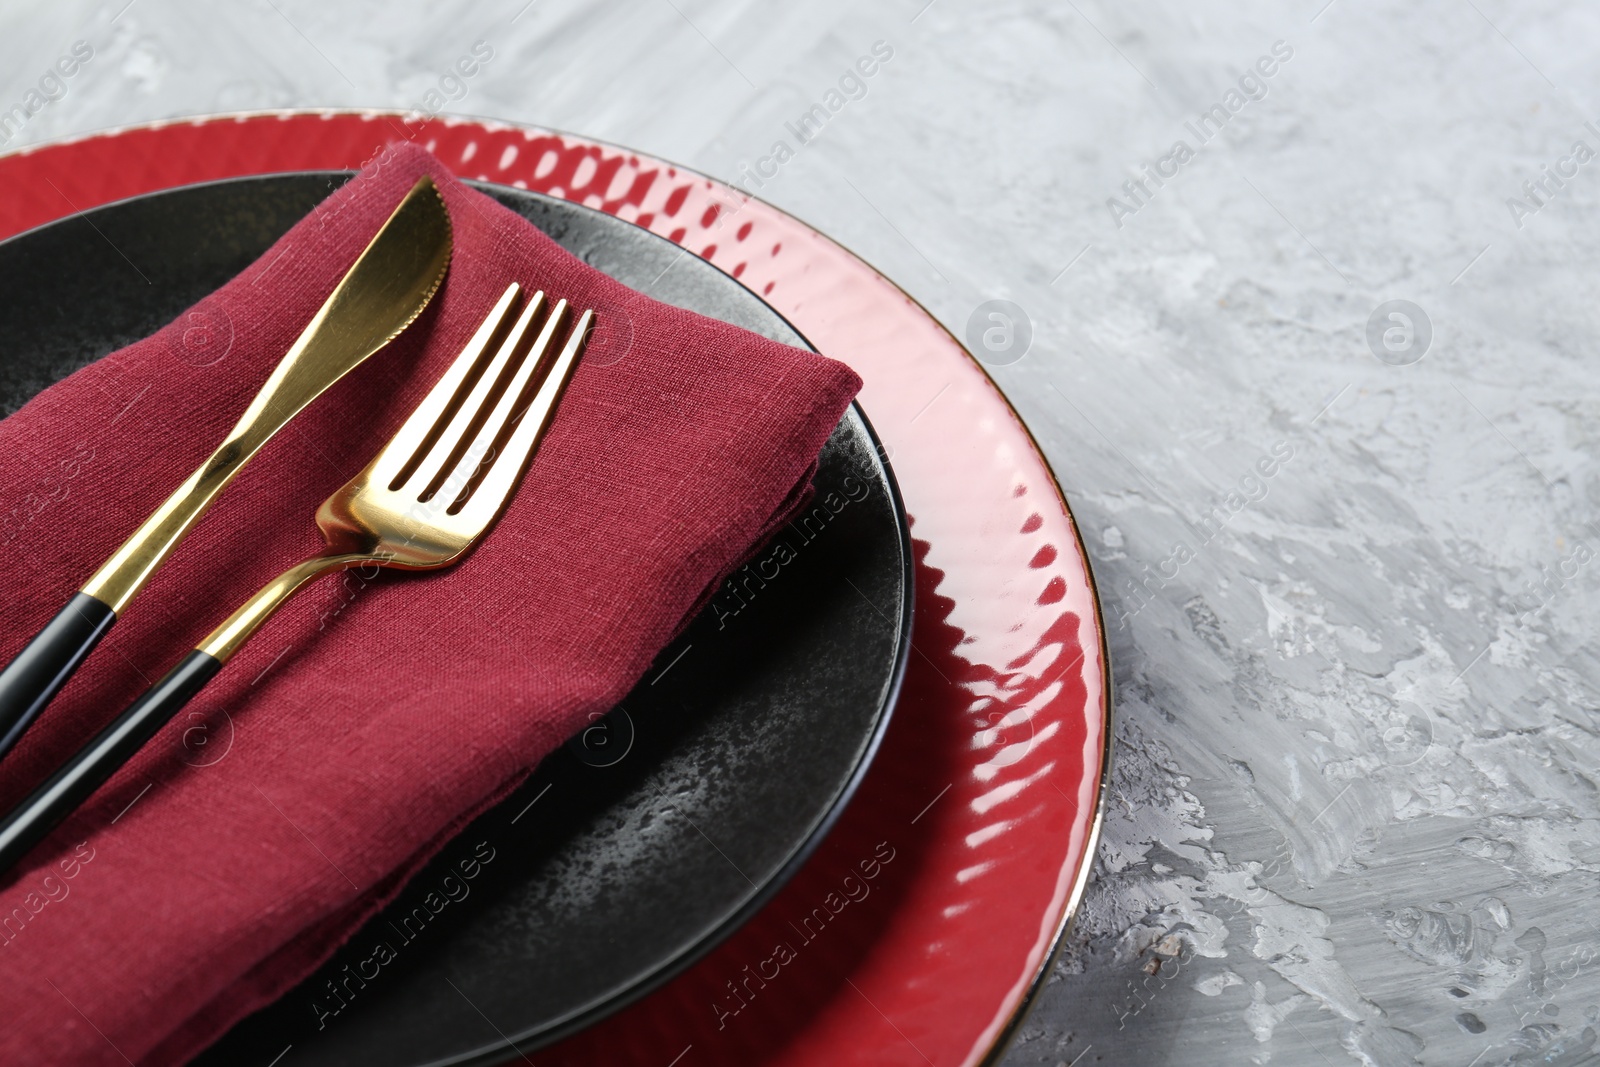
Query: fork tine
x=455 y=440
x=482 y=501
x=469 y=463
x=411 y=443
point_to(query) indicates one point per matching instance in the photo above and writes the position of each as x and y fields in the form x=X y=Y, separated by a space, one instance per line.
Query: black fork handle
x=35 y=817
x=38 y=672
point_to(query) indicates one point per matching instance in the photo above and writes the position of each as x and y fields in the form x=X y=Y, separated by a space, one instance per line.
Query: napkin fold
x=375 y=714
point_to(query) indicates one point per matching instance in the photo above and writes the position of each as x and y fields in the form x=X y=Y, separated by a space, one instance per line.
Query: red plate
x=922 y=927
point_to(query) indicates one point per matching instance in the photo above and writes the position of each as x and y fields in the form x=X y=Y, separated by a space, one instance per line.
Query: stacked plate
x=846 y=817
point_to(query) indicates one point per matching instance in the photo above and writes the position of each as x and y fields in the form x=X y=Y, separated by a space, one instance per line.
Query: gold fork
x=434 y=490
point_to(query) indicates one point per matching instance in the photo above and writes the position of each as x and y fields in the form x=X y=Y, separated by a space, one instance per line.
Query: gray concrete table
x=1313 y=294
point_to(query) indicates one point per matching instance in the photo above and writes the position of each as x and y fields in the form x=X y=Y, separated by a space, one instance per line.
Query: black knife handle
x=35 y=817
x=38 y=672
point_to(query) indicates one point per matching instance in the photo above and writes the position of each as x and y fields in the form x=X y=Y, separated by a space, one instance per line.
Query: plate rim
x=1073 y=898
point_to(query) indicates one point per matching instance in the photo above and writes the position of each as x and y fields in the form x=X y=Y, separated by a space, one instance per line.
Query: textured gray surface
x=1355 y=816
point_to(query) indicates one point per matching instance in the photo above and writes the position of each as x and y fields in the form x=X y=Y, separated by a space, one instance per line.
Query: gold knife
x=389 y=285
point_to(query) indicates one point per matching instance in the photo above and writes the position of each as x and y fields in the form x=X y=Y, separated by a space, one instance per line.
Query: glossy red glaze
x=918 y=931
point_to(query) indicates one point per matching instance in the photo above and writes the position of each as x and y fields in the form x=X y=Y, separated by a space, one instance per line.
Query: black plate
x=640 y=845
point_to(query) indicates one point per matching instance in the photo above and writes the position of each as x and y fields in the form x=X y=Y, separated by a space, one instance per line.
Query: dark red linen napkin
x=370 y=720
